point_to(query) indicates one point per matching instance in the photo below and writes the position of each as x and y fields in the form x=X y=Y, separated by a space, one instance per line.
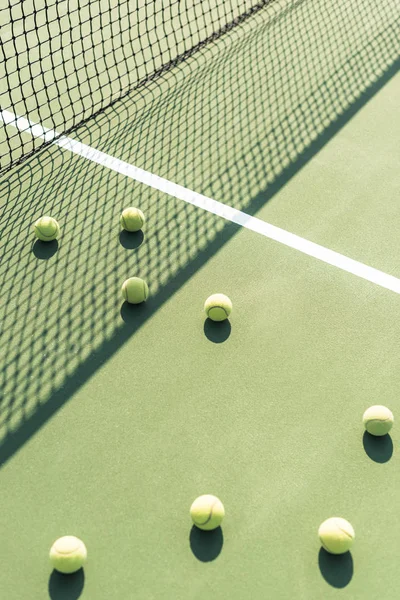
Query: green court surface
x=114 y=418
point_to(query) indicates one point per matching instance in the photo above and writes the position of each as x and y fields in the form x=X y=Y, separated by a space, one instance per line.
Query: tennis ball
x=135 y=290
x=218 y=307
x=336 y=535
x=207 y=512
x=132 y=219
x=68 y=554
x=46 y=229
x=378 y=420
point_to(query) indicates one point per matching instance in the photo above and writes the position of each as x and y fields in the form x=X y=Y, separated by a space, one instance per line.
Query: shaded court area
x=114 y=418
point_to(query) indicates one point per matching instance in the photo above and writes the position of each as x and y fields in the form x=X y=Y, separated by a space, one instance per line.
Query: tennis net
x=61 y=62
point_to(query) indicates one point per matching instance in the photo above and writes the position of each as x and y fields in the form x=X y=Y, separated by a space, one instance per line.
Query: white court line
x=217 y=208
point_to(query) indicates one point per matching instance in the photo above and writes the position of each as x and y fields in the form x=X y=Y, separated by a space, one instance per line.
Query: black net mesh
x=62 y=62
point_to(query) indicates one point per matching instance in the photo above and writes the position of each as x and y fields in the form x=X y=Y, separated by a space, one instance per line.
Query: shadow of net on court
x=234 y=122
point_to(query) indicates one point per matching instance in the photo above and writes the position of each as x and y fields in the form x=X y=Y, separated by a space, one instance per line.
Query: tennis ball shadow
x=217 y=331
x=206 y=545
x=378 y=448
x=131 y=240
x=44 y=250
x=66 y=587
x=336 y=569
x=134 y=314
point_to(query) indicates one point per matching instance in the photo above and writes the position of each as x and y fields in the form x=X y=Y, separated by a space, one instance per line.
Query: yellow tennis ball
x=68 y=554
x=46 y=229
x=378 y=420
x=218 y=307
x=132 y=219
x=207 y=512
x=135 y=290
x=336 y=535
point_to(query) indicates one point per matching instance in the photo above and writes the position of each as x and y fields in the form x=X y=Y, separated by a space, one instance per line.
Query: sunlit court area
x=200 y=300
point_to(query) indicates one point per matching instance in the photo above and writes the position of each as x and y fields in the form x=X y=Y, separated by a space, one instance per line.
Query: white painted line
x=217 y=208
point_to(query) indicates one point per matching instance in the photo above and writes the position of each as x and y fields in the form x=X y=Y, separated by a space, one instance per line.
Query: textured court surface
x=113 y=419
